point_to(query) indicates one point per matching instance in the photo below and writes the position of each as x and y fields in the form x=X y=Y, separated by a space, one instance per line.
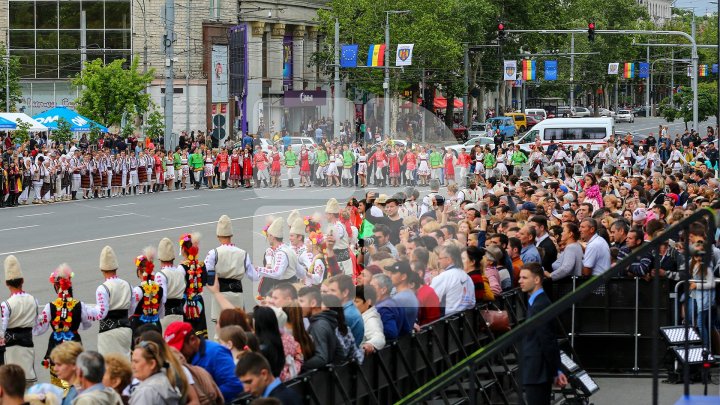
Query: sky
x=701 y=6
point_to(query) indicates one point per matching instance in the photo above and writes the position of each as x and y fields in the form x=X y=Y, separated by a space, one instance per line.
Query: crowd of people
x=343 y=285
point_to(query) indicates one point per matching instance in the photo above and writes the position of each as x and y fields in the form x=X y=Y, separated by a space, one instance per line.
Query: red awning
x=441 y=102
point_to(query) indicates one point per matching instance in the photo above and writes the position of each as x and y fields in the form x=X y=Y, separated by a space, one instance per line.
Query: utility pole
x=386 y=81
x=672 y=78
x=169 y=55
x=336 y=98
x=422 y=113
x=694 y=77
x=572 y=72
x=83 y=40
x=647 y=86
x=187 y=74
x=7 y=70
x=617 y=83
x=466 y=97
x=717 y=117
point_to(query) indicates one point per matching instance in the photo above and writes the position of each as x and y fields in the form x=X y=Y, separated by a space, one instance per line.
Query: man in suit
x=253 y=370
x=543 y=241
x=540 y=355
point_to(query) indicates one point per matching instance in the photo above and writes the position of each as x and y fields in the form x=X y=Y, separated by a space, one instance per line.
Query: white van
x=592 y=133
x=536 y=111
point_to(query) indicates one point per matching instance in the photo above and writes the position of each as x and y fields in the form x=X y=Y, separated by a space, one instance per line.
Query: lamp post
x=652 y=70
x=386 y=82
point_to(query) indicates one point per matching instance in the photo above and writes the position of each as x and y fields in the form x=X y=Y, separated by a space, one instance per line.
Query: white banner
x=510 y=71
x=219 y=76
x=613 y=68
x=403 y=56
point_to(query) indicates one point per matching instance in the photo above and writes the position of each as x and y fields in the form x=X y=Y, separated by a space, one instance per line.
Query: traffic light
x=591 y=32
x=501 y=31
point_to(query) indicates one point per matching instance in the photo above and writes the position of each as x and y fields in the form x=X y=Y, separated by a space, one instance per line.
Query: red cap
x=175 y=334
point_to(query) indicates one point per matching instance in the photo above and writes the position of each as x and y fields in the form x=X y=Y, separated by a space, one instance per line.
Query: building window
x=46 y=35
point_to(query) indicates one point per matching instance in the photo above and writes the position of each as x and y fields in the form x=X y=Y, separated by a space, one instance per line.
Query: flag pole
x=336 y=93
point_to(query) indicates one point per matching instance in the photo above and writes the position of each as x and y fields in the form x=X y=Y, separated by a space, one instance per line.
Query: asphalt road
x=44 y=236
x=647 y=125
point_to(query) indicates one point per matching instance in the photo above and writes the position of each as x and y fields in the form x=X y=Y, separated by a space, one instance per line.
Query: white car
x=297 y=141
x=265 y=144
x=476 y=129
x=470 y=143
x=625 y=116
x=581 y=112
x=604 y=112
x=399 y=142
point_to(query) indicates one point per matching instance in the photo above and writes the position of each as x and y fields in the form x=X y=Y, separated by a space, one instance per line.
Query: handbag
x=496 y=319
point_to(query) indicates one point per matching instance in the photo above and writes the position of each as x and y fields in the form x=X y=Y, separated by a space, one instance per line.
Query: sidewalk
x=630 y=390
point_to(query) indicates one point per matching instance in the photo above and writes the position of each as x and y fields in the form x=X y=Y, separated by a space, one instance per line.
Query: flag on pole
x=551 y=67
x=403 y=56
x=702 y=70
x=528 y=69
x=715 y=68
x=644 y=70
x=376 y=55
x=629 y=70
x=348 y=56
x=613 y=68
x=510 y=70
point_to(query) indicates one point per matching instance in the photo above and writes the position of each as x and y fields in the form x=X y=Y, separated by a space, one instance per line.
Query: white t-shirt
x=455 y=290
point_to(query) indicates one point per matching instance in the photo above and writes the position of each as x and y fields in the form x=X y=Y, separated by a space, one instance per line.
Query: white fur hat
x=13 y=270
x=298 y=227
x=108 y=260
x=276 y=228
x=332 y=207
x=294 y=214
x=166 y=252
x=224 y=226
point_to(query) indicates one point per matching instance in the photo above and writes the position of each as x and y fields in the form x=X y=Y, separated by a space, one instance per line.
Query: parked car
x=481 y=140
x=537 y=112
x=264 y=143
x=581 y=112
x=477 y=129
x=532 y=120
x=506 y=125
x=298 y=141
x=642 y=111
x=625 y=116
x=563 y=112
x=604 y=112
x=520 y=120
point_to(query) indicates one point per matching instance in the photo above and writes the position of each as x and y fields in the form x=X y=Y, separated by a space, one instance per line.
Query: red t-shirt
x=429 y=309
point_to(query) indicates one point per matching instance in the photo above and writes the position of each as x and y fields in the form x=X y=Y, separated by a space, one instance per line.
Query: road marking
x=173 y=228
x=252 y=198
x=118 y=205
x=118 y=215
x=190 y=196
x=192 y=206
x=18 y=227
x=34 y=215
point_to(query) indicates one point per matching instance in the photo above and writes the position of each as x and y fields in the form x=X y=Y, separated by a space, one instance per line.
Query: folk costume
x=147 y=298
x=113 y=308
x=342 y=238
x=172 y=282
x=280 y=262
x=195 y=279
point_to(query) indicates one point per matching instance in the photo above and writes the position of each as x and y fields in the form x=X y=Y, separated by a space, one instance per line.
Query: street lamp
x=672 y=83
x=386 y=82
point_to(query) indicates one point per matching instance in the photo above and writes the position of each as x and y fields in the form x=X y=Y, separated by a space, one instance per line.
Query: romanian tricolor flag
x=629 y=70
x=528 y=69
x=703 y=70
x=376 y=55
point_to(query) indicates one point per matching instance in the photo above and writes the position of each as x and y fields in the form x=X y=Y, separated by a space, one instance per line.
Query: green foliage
x=155 y=125
x=707 y=104
x=15 y=90
x=108 y=91
x=128 y=130
x=94 y=133
x=22 y=133
x=63 y=133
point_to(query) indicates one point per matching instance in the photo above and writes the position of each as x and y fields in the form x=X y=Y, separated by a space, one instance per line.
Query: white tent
x=35 y=126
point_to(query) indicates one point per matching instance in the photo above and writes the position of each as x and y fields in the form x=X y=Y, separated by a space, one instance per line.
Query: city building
x=659 y=10
x=231 y=58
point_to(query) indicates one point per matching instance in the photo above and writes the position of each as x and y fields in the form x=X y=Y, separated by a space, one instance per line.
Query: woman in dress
x=159 y=171
x=362 y=168
x=247 y=167
x=209 y=167
x=169 y=171
x=304 y=167
x=394 y=167
x=184 y=170
x=275 y=167
x=500 y=165
x=410 y=162
x=235 y=168
x=65 y=315
x=449 y=163
x=489 y=161
x=195 y=278
x=147 y=298
x=423 y=170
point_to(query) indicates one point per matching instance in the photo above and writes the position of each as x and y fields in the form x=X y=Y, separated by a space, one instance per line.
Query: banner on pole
x=551 y=69
x=403 y=56
x=510 y=70
x=528 y=70
x=644 y=70
x=613 y=68
x=348 y=56
x=629 y=70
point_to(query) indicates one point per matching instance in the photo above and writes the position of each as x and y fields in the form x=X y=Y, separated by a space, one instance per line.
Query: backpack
x=208 y=392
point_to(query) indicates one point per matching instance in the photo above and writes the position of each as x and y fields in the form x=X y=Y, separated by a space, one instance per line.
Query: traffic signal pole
x=691 y=39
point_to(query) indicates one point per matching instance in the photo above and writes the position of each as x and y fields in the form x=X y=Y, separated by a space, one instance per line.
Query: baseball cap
x=527 y=205
x=640 y=214
x=399 y=267
x=175 y=334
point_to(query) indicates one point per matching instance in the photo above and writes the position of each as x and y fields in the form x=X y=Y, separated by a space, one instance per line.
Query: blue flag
x=551 y=67
x=644 y=71
x=348 y=56
x=715 y=68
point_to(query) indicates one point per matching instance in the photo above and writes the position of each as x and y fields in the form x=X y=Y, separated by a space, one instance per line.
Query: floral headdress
x=150 y=288
x=64 y=304
x=193 y=306
x=317 y=238
x=311 y=224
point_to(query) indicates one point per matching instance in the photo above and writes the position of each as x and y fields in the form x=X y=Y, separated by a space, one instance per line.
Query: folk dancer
x=317 y=270
x=134 y=180
x=65 y=315
x=143 y=172
x=170 y=171
x=171 y=279
x=260 y=162
x=627 y=157
x=18 y=315
x=195 y=279
x=235 y=169
x=96 y=176
x=339 y=232
x=247 y=167
x=229 y=263
x=76 y=162
x=675 y=159
x=148 y=300
x=362 y=169
x=560 y=159
x=322 y=161
x=290 y=163
x=113 y=298
x=36 y=171
x=280 y=262
x=423 y=169
x=348 y=163
x=298 y=244
x=305 y=171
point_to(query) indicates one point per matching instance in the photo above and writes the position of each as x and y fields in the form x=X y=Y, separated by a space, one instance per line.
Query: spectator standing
x=453 y=286
x=596 y=259
x=374 y=336
x=342 y=287
x=12 y=384
x=393 y=319
x=400 y=274
x=529 y=252
x=569 y=261
x=322 y=329
x=253 y=370
x=90 y=369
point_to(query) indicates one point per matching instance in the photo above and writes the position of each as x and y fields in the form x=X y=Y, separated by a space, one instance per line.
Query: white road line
x=35 y=215
x=173 y=228
x=18 y=227
x=190 y=196
x=118 y=205
x=252 y=198
x=118 y=215
x=192 y=206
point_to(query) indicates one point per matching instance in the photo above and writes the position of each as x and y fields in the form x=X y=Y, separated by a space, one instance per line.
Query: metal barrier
x=481 y=357
x=408 y=363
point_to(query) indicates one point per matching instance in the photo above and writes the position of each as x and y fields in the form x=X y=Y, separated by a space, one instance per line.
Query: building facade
x=52 y=37
x=660 y=11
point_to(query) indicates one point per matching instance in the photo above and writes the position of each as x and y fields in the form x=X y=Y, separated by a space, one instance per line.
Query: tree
x=22 y=133
x=155 y=125
x=94 y=133
x=707 y=104
x=15 y=90
x=108 y=91
x=128 y=130
x=63 y=133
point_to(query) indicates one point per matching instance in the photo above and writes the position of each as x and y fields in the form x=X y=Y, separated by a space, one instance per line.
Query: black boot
x=74 y=195
x=291 y=183
x=265 y=184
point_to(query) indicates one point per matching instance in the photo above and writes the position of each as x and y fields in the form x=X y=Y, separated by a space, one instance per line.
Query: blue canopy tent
x=77 y=122
x=7 y=124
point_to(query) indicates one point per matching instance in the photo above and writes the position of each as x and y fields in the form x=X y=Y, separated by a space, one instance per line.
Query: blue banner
x=348 y=56
x=644 y=71
x=715 y=68
x=551 y=70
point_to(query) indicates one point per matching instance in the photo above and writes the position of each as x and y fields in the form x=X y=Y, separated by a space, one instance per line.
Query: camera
x=367 y=241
